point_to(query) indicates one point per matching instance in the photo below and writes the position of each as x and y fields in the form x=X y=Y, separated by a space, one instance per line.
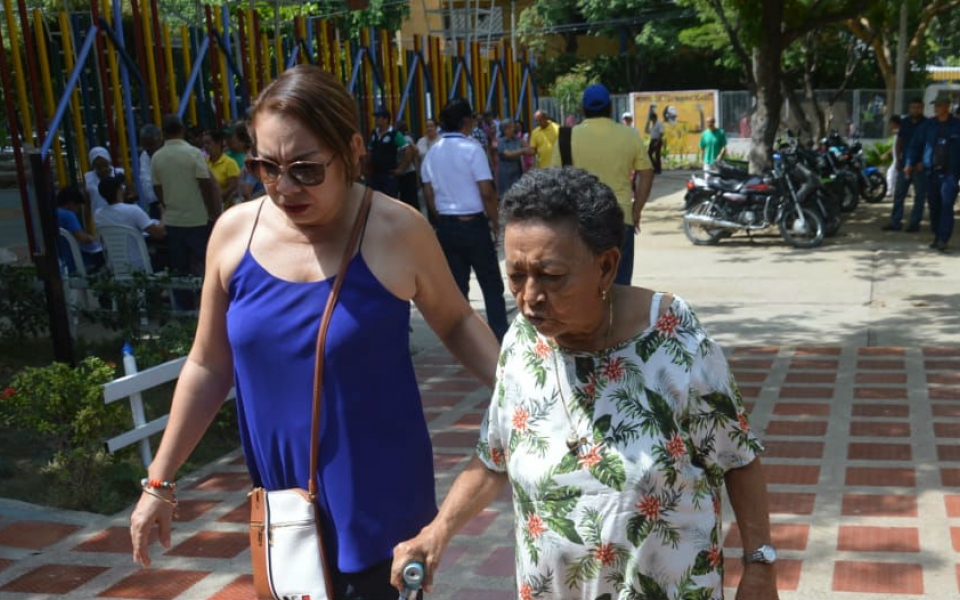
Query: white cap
x=98 y=152
x=626 y=115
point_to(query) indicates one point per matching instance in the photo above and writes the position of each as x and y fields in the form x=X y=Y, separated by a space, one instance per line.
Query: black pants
x=656 y=147
x=407 y=189
x=372 y=584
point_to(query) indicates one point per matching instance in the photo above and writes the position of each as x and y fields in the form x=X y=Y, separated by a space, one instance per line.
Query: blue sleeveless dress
x=376 y=460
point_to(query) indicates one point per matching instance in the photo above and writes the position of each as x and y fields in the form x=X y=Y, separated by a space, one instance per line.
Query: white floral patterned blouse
x=633 y=511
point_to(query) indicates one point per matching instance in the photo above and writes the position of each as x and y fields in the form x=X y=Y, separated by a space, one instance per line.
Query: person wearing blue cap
x=935 y=149
x=613 y=152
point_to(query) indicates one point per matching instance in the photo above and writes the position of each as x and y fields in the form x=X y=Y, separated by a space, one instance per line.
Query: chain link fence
x=853 y=112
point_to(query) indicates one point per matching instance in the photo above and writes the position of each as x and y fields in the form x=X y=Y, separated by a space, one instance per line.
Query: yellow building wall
x=422 y=21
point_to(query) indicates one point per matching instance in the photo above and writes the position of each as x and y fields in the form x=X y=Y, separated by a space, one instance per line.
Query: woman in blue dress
x=270 y=267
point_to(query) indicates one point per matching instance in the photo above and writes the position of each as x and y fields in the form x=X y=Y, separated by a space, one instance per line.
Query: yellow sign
x=682 y=114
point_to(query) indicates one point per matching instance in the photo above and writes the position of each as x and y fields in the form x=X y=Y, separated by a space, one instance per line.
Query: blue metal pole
x=357 y=63
x=406 y=88
x=194 y=75
x=292 y=59
x=494 y=77
x=67 y=90
x=128 y=106
x=309 y=41
x=523 y=94
x=86 y=103
x=225 y=41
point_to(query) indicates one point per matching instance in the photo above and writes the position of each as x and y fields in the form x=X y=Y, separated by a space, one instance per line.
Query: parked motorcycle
x=822 y=193
x=834 y=163
x=871 y=184
x=753 y=203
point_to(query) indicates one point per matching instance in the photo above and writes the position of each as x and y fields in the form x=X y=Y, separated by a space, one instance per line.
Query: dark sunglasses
x=303 y=172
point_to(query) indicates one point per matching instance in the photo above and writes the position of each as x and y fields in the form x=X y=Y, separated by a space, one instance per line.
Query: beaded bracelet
x=157 y=484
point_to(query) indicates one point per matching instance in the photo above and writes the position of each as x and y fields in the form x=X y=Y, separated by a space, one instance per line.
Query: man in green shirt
x=713 y=143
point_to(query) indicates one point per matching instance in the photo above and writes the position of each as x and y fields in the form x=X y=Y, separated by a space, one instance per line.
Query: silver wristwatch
x=765 y=554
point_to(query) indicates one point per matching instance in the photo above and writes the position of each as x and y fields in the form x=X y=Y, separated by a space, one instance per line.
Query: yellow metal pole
x=68 y=59
x=151 y=64
x=121 y=124
x=171 y=72
x=187 y=67
x=323 y=46
x=338 y=50
x=48 y=92
x=18 y=71
x=265 y=58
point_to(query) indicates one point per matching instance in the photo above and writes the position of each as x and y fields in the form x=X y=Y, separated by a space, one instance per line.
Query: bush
x=22 y=303
x=64 y=406
x=125 y=302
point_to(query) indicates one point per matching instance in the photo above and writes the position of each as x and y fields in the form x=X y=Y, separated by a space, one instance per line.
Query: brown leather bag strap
x=358 y=226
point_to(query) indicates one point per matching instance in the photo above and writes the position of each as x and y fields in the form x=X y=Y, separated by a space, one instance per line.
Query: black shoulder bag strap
x=566 y=148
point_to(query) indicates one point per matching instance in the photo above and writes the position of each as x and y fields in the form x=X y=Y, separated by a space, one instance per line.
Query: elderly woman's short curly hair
x=568 y=194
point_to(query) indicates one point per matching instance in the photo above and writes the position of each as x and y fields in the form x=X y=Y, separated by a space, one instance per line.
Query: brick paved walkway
x=860 y=443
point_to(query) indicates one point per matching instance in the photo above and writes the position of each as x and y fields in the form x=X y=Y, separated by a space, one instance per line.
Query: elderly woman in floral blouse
x=615 y=419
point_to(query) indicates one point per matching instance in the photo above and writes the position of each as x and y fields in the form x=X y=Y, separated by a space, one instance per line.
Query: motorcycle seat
x=724 y=185
x=725 y=171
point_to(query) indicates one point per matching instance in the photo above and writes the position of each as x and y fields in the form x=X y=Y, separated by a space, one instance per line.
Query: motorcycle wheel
x=828 y=208
x=701 y=235
x=876 y=188
x=850 y=197
x=807 y=235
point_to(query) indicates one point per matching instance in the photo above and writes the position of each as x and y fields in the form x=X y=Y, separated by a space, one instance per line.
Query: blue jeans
x=467 y=244
x=942 y=194
x=625 y=270
x=919 y=183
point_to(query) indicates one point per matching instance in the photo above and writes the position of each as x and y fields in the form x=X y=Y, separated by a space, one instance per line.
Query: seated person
x=117 y=212
x=70 y=200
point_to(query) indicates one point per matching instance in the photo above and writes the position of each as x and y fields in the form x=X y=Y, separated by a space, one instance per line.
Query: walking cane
x=412 y=581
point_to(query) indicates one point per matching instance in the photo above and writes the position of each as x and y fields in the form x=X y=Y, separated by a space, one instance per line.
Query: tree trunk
x=765 y=61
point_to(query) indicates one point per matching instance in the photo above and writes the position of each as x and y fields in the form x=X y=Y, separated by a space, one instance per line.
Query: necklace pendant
x=573 y=443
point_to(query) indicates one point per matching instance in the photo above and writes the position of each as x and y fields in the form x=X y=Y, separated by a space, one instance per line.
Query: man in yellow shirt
x=612 y=152
x=542 y=139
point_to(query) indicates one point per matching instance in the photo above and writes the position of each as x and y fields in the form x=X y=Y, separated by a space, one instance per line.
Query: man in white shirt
x=462 y=202
x=130 y=215
x=151 y=138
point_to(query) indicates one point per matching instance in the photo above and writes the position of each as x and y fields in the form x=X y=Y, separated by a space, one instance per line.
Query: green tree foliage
x=879 y=28
x=760 y=31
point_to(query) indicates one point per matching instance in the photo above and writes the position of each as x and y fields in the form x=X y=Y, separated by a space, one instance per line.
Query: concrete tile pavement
x=848 y=357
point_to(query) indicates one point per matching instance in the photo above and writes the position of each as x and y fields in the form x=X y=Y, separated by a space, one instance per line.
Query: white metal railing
x=130 y=387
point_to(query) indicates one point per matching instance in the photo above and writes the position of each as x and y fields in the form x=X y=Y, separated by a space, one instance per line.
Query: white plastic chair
x=77 y=282
x=125 y=250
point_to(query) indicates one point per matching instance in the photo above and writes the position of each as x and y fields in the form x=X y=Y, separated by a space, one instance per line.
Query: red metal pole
x=104 y=83
x=138 y=44
x=214 y=64
x=160 y=59
x=255 y=33
x=244 y=48
x=33 y=72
